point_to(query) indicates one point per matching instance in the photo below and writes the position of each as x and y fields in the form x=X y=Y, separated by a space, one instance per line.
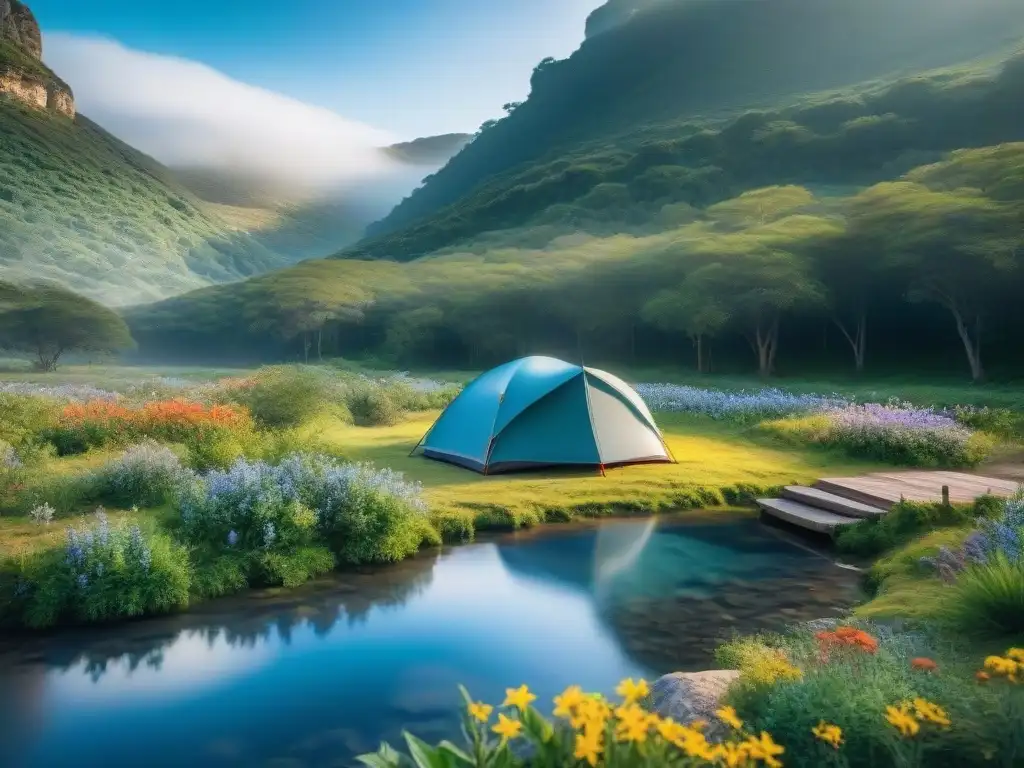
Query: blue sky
x=408 y=67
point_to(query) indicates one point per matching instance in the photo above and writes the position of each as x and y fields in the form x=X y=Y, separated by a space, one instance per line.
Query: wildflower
x=730 y=754
x=480 y=711
x=982 y=676
x=588 y=748
x=997 y=665
x=42 y=514
x=592 y=710
x=82 y=580
x=828 y=733
x=507 y=728
x=232 y=538
x=518 y=697
x=633 y=724
x=631 y=691
x=693 y=743
x=669 y=729
x=902 y=720
x=567 y=701
x=765 y=749
x=925 y=710
x=926 y=665
x=1017 y=654
x=728 y=716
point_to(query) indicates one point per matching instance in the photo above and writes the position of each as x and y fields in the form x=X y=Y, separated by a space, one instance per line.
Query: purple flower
x=82 y=581
x=232 y=538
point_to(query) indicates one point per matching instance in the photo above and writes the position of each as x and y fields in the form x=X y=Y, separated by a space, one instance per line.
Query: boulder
x=689 y=696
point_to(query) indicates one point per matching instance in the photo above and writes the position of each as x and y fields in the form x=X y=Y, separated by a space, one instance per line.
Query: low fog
x=188 y=115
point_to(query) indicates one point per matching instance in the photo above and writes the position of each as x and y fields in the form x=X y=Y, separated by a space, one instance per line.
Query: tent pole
x=590 y=416
x=418 y=444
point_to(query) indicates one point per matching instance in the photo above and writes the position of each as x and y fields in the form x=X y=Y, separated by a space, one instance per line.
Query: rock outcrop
x=690 y=696
x=23 y=76
x=19 y=26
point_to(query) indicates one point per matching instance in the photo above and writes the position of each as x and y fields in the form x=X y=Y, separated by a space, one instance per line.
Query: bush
x=290 y=569
x=282 y=396
x=1001 y=422
x=896 y=433
x=372 y=406
x=454 y=526
x=851 y=686
x=907 y=519
x=146 y=474
x=101 y=423
x=988 y=598
x=100 y=574
x=364 y=515
x=742 y=407
x=25 y=417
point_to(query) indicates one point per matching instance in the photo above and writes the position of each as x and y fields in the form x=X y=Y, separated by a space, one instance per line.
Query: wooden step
x=859 y=490
x=815 y=497
x=805 y=516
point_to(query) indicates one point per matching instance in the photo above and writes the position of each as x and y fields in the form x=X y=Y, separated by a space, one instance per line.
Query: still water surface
x=312 y=677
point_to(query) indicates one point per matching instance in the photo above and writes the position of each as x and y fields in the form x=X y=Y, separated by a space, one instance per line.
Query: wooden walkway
x=837 y=501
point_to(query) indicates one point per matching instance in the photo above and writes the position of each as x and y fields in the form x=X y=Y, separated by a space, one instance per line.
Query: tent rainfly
x=541 y=412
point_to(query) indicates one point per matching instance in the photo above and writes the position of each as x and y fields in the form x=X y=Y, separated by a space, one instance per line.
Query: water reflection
x=312 y=676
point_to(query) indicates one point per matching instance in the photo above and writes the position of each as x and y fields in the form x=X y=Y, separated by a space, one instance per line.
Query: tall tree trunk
x=971 y=345
x=320 y=344
x=858 y=339
x=306 y=344
x=766 y=342
x=698 y=341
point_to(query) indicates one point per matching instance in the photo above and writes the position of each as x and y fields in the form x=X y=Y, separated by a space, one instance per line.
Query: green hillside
x=641 y=97
x=81 y=207
x=776 y=278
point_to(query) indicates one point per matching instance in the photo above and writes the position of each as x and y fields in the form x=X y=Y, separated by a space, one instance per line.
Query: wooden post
x=945 y=495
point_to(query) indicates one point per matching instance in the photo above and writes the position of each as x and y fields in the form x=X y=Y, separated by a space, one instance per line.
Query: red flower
x=925 y=665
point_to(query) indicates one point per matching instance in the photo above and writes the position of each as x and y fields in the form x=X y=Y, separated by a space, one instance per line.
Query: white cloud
x=185 y=113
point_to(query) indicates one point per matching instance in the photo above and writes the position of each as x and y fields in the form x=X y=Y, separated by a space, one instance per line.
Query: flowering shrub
x=11 y=467
x=146 y=474
x=363 y=514
x=587 y=730
x=282 y=396
x=874 y=700
x=897 y=433
x=738 y=406
x=42 y=514
x=100 y=422
x=102 y=573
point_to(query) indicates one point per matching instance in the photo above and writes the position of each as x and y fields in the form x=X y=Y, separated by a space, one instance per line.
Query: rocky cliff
x=23 y=76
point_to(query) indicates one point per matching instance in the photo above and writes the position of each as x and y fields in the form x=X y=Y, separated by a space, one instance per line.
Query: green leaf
x=385 y=757
x=456 y=752
x=536 y=726
x=424 y=755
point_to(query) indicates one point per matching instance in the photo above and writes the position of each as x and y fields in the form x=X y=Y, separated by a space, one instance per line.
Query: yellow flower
x=728 y=716
x=480 y=711
x=902 y=720
x=830 y=734
x=1000 y=666
x=567 y=702
x=730 y=754
x=631 y=691
x=1017 y=654
x=693 y=743
x=507 y=728
x=588 y=748
x=669 y=729
x=765 y=749
x=518 y=697
x=933 y=713
x=590 y=711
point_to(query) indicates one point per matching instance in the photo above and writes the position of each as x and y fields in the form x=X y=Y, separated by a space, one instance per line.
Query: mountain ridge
x=811 y=45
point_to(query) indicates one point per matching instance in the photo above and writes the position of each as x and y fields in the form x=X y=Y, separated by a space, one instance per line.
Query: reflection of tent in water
x=538 y=412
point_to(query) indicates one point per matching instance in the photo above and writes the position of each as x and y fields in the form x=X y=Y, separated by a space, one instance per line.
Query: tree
x=47 y=321
x=685 y=309
x=753 y=288
x=954 y=248
x=850 y=273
